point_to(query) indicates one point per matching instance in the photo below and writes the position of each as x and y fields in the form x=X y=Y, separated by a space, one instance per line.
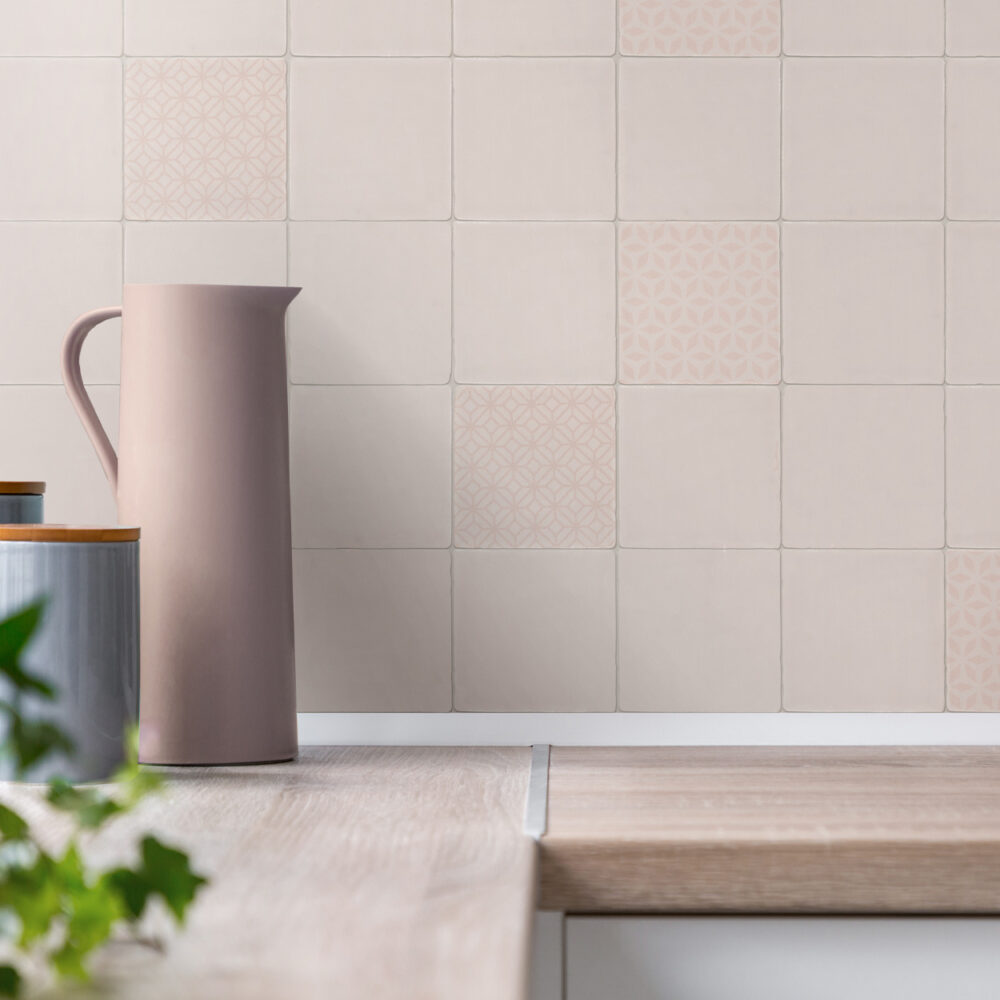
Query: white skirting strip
x=647 y=729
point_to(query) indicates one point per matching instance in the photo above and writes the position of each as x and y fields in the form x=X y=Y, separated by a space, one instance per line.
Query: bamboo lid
x=9 y=488
x=65 y=533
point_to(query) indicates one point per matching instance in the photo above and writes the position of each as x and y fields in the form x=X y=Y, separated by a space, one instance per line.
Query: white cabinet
x=770 y=958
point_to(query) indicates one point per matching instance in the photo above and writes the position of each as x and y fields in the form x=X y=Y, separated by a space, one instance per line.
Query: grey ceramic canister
x=87 y=645
x=22 y=502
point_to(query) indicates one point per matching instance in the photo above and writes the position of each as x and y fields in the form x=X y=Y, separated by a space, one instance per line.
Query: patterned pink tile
x=974 y=631
x=700 y=27
x=699 y=302
x=535 y=467
x=205 y=139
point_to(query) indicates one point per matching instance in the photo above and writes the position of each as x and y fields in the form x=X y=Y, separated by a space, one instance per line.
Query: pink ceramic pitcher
x=202 y=468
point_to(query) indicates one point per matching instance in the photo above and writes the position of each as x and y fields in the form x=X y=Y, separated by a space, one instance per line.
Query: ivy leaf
x=168 y=871
x=90 y=911
x=15 y=634
x=134 y=781
x=69 y=869
x=91 y=806
x=16 y=631
x=10 y=981
x=51 y=906
x=32 y=893
x=12 y=826
x=32 y=740
x=27 y=683
x=132 y=889
x=164 y=871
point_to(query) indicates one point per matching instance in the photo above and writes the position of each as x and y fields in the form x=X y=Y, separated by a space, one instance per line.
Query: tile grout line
x=333 y=57
x=288 y=144
x=451 y=379
x=633 y=548
x=781 y=356
x=539 y=222
x=682 y=386
x=617 y=373
x=288 y=230
x=944 y=338
x=122 y=164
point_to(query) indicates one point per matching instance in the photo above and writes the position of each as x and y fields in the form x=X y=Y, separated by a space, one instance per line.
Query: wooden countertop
x=406 y=874
x=729 y=829
x=372 y=873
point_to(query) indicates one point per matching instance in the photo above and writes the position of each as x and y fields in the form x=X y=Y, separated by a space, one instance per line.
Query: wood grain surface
x=20 y=488
x=384 y=873
x=818 y=830
x=65 y=533
x=368 y=873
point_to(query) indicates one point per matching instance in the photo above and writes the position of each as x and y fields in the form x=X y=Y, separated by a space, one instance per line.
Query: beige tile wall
x=648 y=357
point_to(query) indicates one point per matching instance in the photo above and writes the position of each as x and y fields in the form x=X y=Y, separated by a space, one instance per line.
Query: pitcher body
x=202 y=468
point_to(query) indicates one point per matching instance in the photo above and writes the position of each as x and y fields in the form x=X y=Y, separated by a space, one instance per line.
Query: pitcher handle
x=77 y=392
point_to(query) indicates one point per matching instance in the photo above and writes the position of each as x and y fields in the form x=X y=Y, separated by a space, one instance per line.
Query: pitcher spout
x=283 y=295
x=272 y=299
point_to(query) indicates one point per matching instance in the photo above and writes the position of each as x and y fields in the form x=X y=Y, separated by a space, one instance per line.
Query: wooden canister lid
x=10 y=488
x=65 y=533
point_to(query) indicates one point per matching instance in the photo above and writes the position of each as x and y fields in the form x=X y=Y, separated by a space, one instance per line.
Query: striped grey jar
x=88 y=643
x=21 y=502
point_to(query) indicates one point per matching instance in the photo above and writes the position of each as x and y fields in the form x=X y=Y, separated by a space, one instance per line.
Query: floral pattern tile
x=699 y=303
x=973 y=594
x=700 y=27
x=535 y=467
x=205 y=139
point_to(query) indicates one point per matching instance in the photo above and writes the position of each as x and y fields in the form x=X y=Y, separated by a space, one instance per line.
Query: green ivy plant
x=55 y=911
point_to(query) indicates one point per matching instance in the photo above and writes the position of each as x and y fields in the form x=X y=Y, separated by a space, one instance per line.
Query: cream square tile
x=372 y=28
x=535 y=467
x=973 y=478
x=51 y=445
x=51 y=272
x=373 y=631
x=371 y=468
x=384 y=150
x=699 y=631
x=207 y=253
x=535 y=28
x=973 y=142
x=863 y=301
x=698 y=467
x=700 y=27
x=375 y=305
x=534 y=631
x=534 y=138
x=60 y=28
x=61 y=122
x=699 y=302
x=698 y=139
x=863 y=27
x=863 y=467
x=223 y=154
x=863 y=138
x=205 y=27
x=535 y=302
x=973 y=595
x=973 y=302
x=973 y=28
x=863 y=631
